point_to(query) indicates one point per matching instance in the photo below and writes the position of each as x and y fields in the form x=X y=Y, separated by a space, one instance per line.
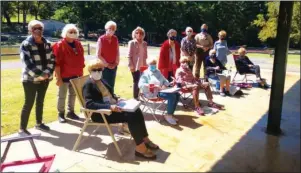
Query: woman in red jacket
x=169 y=55
x=69 y=64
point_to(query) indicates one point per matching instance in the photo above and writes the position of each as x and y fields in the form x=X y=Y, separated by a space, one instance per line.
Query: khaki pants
x=199 y=60
x=62 y=97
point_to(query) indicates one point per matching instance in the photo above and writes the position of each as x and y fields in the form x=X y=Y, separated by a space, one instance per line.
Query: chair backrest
x=235 y=57
x=77 y=85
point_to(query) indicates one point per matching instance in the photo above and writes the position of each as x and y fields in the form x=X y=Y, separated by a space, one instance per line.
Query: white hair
x=187 y=28
x=110 y=23
x=138 y=29
x=212 y=51
x=170 y=31
x=33 y=23
x=151 y=60
x=67 y=28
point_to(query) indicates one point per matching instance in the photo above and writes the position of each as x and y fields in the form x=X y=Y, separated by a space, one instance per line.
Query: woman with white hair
x=188 y=46
x=98 y=94
x=38 y=65
x=107 y=50
x=137 y=55
x=151 y=82
x=215 y=73
x=169 y=55
x=69 y=64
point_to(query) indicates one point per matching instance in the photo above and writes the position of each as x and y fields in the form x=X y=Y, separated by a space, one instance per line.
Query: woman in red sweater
x=169 y=55
x=69 y=64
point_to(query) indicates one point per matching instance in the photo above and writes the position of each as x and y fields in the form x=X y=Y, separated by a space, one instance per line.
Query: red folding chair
x=151 y=104
x=245 y=79
x=45 y=161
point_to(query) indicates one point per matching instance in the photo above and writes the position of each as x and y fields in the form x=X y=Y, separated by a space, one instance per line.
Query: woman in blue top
x=221 y=47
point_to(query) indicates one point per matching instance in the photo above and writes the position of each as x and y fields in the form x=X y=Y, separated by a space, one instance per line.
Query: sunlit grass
x=12 y=98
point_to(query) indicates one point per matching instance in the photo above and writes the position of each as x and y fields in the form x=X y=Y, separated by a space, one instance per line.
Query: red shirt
x=71 y=62
x=109 y=49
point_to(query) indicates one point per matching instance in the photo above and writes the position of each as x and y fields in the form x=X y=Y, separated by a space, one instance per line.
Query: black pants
x=136 y=77
x=170 y=74
x=255 y=70
x=135 y=122
x=33 y=91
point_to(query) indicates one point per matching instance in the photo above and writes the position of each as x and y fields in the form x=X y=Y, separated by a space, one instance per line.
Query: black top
x=243 y=63
x=42 y=53
x=93 y=97
x=210 y=66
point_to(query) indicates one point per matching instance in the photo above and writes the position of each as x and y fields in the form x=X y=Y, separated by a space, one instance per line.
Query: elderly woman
x=98 y=94
x=107 y=50
x=216 y=73
x=38 y=65
x=153 y=77
x=185 y=79
x=137 y=56
x=247 y=66
x=204 y=42
x=188 y=46
x=69 y=64
x=221 y=47
x=169 y=55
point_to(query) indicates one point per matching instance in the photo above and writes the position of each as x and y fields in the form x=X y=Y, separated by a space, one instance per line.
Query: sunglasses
x=189 y=31
x=73 y=32
x=97 y=70
x=37 y=28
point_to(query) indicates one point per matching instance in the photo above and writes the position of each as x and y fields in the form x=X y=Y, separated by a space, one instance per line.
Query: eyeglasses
x=97 y=70
x=73 y=32
x=38 y=28
x=189 y=31
x=139 y=33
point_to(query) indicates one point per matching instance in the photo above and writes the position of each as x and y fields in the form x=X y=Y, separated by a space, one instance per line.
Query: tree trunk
x=7 y=17
x=24 y=17
x=86 y=30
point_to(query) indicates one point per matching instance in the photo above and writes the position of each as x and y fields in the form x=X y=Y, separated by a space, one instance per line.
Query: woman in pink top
x=107 y=50
x=137 y=55
x=185 y=79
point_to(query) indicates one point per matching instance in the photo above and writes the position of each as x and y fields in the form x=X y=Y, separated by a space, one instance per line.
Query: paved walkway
x=231 y=140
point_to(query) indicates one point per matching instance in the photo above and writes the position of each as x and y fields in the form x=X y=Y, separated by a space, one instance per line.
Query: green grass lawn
x=12 y=98
x=29 y=17
x=293 y=60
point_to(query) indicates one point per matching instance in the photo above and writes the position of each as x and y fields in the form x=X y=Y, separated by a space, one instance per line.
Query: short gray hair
x=110 y=23
x=170 y=31
x=138 y=29
x=187 y=28
x=67 y=28
x=151 y=60
x=33 y=23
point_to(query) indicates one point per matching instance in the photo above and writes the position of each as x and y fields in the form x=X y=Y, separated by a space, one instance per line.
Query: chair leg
x=234 y=77
x=111 y=133
x=80 y=136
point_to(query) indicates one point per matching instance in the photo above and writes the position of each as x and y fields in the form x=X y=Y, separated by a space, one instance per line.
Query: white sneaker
x=170 y=120
x=176 y=119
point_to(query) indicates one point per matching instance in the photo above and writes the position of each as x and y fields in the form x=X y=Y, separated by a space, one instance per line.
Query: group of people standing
x=178 y=64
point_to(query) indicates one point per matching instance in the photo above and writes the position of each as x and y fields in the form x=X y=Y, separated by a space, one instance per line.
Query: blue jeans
x=109 y=75
x=172 y=101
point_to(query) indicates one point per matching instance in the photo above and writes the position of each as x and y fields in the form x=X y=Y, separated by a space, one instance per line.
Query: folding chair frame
x=88 y=113
x=237 y=72
x=149 y=104
x=183 y=98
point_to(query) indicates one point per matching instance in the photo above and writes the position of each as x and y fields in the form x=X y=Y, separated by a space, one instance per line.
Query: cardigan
x=136 y=59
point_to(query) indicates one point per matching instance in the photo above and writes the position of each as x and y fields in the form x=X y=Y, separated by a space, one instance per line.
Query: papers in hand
x=170 y=90
x=129 y=105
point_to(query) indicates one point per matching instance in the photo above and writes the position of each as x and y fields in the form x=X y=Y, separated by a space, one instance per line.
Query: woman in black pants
x=38 y=65
x=99 y=95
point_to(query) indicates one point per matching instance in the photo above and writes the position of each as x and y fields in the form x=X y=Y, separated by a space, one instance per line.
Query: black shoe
x=227 y=93
x=61 y=118
x=23 y=132
x=72 y=115
x=42 y=127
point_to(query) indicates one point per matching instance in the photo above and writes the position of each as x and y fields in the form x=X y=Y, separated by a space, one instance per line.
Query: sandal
x=213 y=105
x=148 y=154
x=151 y=145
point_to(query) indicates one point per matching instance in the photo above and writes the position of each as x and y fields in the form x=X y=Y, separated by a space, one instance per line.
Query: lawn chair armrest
x=104 y=111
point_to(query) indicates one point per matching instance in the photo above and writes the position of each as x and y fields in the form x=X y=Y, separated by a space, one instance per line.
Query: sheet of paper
x=170 y=90
x=129 y=105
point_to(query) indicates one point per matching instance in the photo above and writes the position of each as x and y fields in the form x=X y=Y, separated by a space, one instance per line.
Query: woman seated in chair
x=185 y=78
x=215 y=73
x=150 y=84
x=247 y=66
x=98 y=94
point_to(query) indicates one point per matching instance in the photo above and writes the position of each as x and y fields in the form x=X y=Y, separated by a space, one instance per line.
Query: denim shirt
x=149 y=77
x=222 y=51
